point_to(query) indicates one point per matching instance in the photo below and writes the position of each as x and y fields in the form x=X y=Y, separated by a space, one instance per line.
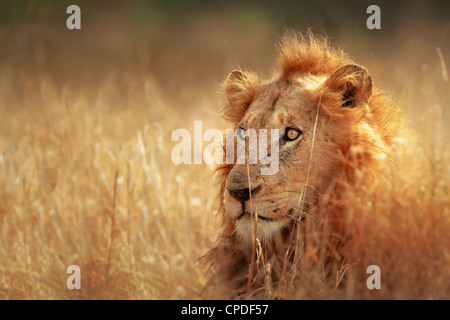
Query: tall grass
x=87 y=185
x=86 y=176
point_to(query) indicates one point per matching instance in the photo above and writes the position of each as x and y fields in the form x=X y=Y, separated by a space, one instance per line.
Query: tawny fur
x=357 y=124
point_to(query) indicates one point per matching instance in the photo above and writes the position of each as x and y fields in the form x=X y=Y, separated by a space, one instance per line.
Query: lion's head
x=335 y=128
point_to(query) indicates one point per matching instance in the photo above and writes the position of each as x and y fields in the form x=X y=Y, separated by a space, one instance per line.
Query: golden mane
x=306 y=53
x=372 y=128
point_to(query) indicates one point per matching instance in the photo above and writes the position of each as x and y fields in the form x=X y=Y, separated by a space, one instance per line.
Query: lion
x=337 y=129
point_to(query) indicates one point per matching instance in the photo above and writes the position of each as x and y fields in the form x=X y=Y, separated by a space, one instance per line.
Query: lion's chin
x=266 y=229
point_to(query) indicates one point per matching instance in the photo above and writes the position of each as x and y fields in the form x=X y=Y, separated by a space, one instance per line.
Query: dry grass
x=402 y=227
x=85 y=185
x=87 y=179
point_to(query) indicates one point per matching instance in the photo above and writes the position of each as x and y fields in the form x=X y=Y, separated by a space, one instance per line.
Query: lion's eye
x=292 y=134
x=241 y=133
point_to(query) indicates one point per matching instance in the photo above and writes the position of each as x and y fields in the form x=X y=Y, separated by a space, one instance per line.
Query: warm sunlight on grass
x=86 y=176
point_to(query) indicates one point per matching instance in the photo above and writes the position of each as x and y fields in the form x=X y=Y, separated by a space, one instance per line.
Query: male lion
x=336 y=130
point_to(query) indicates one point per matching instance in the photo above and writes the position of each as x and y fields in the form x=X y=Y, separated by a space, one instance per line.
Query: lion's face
x=334 y=137
x=303 y=175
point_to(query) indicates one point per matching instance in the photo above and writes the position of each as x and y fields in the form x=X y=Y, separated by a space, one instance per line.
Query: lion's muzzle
x=242 y=182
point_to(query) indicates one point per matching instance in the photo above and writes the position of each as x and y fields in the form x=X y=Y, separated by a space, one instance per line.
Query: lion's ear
x=240 y=89
x=353 y=82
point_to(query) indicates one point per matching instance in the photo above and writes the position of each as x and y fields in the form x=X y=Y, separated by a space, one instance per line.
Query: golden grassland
x=86 y=178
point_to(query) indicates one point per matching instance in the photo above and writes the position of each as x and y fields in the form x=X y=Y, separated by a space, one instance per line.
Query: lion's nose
x=243 y=194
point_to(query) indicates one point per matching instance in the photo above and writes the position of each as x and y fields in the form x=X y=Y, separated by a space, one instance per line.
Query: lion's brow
x=275 y=100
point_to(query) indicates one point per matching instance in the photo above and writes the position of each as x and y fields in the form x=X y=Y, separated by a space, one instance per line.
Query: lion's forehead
x=263 y=120
x=279 y=104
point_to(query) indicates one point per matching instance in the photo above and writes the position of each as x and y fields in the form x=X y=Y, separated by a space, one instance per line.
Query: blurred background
x=86 y=117
x=186 y=45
